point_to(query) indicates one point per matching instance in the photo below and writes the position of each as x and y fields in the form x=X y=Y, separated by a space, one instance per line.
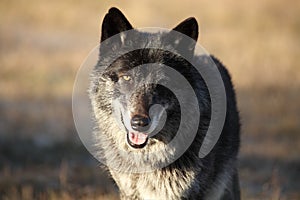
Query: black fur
x=189 y=177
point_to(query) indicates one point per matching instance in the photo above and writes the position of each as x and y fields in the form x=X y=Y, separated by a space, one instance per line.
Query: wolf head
x=134 y=109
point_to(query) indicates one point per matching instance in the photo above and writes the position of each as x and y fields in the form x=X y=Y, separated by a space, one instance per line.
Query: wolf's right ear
x=113 y=23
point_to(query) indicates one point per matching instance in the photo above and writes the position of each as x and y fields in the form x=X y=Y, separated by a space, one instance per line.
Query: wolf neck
x=172 y=182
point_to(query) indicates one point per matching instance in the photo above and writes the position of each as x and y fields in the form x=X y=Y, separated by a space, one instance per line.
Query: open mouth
x=137 y=139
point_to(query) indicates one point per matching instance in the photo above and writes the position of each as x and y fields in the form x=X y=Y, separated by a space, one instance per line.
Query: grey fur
x=189 y=177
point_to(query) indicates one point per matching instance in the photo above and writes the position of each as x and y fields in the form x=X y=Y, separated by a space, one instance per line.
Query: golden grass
x=44 y=41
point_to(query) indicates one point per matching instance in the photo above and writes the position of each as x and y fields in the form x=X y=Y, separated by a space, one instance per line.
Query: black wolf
x=122 y=96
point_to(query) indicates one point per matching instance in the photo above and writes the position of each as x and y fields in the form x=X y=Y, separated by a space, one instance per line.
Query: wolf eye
x=126 y=78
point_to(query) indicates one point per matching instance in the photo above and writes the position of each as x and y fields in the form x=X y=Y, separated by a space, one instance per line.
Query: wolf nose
x=138 y=123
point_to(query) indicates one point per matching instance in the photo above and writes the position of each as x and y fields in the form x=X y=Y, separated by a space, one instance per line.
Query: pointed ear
x=114 y=22
x=188 y=27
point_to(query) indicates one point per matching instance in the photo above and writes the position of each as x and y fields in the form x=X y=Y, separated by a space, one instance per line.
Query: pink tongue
x=137 y=138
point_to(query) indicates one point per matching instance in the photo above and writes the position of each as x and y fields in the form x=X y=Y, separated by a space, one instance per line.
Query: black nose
x=139 y=123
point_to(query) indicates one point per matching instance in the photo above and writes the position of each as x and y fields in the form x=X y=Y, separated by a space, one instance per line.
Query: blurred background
x=43 y=43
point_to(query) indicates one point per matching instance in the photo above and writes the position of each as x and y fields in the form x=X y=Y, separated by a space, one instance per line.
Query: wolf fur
x=189 y=177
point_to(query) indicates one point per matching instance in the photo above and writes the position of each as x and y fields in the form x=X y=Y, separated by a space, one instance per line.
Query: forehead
x=132 y=60
x=129 y=61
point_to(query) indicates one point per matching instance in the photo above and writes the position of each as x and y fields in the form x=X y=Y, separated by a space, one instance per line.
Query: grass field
x=43 y=43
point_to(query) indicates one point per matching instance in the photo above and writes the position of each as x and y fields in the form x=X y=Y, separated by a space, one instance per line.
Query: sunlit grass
x=258 y=41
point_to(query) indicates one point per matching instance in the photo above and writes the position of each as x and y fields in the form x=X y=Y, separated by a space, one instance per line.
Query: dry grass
x=42 y=44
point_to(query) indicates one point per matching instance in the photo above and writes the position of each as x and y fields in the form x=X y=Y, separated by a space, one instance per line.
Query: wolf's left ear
x=185 y=46
x=114 y=22
x=189 y=27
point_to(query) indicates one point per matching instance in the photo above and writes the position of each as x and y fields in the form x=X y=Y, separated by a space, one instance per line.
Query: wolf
x=122 y=96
